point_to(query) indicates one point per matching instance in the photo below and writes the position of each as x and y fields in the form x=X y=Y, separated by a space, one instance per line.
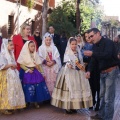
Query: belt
x=109 y=69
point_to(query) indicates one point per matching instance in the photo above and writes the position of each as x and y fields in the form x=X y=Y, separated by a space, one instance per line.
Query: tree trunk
x=44 y=16
x=78 y=14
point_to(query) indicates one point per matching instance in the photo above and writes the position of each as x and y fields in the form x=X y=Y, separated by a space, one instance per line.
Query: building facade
x=13 y=13
x=110 y=26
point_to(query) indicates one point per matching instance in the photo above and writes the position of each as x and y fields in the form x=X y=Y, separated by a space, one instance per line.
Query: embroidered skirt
x=61 y=94
x=17 y=96
x=34 y=87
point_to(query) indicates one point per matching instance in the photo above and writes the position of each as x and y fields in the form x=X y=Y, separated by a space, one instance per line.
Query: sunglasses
x=91 y=36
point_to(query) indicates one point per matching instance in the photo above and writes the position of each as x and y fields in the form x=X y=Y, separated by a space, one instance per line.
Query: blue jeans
x=107 y=94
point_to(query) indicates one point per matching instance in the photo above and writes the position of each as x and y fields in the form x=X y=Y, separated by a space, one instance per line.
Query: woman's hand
x=48 y=64
x=88 y=53
x=70 y=66
x=52 y=63
x=87 y=75
x=118 y=56
x=30 y=71
x=13 y=67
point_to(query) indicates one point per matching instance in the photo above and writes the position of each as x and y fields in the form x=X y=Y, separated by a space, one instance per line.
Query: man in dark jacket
x=56 y=37
x=104 y=53
x=63 y=45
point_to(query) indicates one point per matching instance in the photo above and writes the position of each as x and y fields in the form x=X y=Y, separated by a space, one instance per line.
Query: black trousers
x=94 y=82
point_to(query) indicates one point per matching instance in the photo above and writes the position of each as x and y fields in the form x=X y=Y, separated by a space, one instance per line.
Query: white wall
x=9 y=8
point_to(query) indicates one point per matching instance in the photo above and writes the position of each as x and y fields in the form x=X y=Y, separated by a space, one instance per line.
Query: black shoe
x=96 y=117
x=97 y=106
x=73 y=111
x=91 y=108
x=37 y=105
x=68 y=111
x=94 y=102
x=28 y=105
x=47 y=102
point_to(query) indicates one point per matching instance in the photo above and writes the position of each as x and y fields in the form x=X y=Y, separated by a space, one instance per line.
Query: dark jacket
x=56 y=40
x=63 y=44
x=105 y=54
x=38 y=40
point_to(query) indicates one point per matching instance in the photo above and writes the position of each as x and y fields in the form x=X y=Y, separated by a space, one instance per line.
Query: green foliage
x=63 y=18
x=30 y=4
x=89 y=11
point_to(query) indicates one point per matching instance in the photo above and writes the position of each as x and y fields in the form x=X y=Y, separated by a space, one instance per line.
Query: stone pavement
x=48 y=112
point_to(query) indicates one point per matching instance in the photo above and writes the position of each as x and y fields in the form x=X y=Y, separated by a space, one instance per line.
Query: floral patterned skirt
x=34 y=87
x=50 y=78
x=4 y=100
x=36 y=92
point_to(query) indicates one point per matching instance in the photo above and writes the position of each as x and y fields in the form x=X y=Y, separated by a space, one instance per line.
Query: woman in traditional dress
x=50 y=60
x=20 y=39
x=72 y=90
x=33 y=81
x=11 y=93
x=80 y=41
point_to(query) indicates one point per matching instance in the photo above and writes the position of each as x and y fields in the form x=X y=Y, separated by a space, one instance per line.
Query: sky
x=111 y=7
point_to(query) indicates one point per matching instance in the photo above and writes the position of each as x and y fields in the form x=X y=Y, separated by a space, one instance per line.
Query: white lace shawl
x=55 y=54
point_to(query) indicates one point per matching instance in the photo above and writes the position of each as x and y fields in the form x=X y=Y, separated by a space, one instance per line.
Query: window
x=10 y=24
x=33 y=27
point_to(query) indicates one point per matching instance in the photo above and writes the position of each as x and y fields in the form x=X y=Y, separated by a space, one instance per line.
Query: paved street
x=47 y=112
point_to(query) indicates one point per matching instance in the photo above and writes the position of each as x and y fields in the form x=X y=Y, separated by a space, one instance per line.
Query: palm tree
x=30 y=4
